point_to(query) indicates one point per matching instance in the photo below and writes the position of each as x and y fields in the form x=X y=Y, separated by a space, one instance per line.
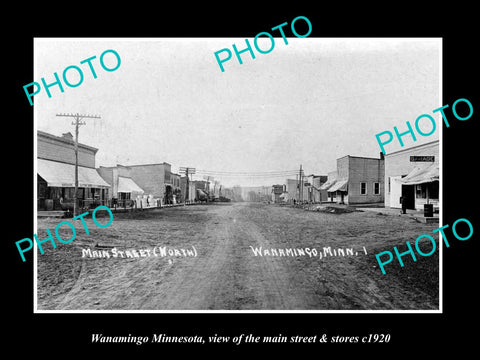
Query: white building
x=413 y=174
x=295 y=192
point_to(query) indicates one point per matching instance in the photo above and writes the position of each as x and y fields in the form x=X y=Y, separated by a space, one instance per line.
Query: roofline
x=413 y=147
x=164 y=163
x=359 y=157
x=114 y=167
x=64 y=140
x=65 y=162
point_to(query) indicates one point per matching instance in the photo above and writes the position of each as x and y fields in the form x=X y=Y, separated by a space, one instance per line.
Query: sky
x=306 y=103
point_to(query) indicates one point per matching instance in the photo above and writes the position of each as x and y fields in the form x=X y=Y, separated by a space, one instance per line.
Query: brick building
x=154 y=179
x=56 y=174
x=278 y=193
x=123 y=188
x=177 y=194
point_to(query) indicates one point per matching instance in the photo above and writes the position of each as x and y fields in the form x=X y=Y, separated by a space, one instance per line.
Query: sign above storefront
x=422 y=158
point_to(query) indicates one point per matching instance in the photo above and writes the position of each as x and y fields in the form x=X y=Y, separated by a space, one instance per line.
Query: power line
x=251 y=174
x=220 y=172
x=267 y=172
x=257 y=176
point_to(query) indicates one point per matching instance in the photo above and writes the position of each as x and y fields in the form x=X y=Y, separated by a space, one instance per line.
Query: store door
x=395 y=191
x=408 y=195
x=168 y=195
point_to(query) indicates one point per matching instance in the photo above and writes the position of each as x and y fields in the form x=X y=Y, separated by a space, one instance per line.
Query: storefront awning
x=328 y=184
x=127 y=185
x=63 y=175
x=340 y=185
x=421 y=175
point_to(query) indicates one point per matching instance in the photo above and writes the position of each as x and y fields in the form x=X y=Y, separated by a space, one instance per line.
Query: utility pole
x=300 y=185
x=209 y=179
x=78 y=117
x=187 y=195
x=187 y=171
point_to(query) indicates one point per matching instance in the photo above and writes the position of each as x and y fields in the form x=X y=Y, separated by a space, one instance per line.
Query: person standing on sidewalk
x=404 y=204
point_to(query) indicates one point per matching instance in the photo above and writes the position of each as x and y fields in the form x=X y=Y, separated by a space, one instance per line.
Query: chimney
x=67 y=136
x=382 y=157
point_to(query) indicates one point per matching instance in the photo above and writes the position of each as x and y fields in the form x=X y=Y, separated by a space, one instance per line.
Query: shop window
x=434 y=190
x=55 y=192
x=96 y=193
x=123 y=196
x=41 y=190
x=363 y=188
x=376 y=188
x=69 y=193
x=81 y=193
x=421 y=190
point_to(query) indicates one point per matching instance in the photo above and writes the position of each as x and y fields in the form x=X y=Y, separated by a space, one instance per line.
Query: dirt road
x=227 y=274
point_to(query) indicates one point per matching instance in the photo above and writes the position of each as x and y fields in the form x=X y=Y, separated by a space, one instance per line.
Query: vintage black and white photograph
x=209 y=175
